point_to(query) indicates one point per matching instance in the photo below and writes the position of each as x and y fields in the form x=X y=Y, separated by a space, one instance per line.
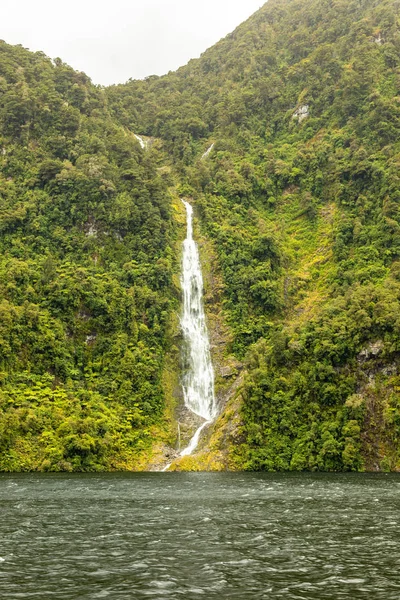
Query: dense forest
x=86 y=264
x=299 y=199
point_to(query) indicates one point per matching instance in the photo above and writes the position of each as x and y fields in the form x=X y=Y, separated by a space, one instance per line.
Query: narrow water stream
x=198 y=384
x=142 y=142
x=207 y=152
x=198 y=379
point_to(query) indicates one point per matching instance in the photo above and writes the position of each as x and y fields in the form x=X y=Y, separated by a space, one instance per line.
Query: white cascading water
x=142 y=142
x=207 y=152
x=198 y=381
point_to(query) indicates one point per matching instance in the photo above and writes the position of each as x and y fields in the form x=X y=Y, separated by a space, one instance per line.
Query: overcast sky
x=113 y=40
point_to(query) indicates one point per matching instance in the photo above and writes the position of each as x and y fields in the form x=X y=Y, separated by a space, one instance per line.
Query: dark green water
x=189 y=536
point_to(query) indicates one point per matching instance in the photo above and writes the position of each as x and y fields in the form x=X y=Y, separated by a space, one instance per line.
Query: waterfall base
x=190 y=429
x=191 y=447
x=198 y=378
x=194 y=441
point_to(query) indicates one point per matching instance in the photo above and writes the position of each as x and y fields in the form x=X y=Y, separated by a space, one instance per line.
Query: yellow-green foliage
x=87 y=259
x=299 y=197
x=304 y=214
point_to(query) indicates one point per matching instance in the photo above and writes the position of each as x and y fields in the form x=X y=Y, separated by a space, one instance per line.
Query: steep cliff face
x=87 y=257
x=285 y=136
x=299 y=197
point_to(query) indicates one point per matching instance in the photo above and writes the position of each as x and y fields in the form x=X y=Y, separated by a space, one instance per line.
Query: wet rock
x=170 y=453
x=371 y=351
x=301 y=113
x=378 y=39
x=231 y=370
x=91 y=229
x=389 y=370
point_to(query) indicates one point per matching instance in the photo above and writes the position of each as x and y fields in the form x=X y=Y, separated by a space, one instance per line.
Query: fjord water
x=198 y=379
x=195 y=535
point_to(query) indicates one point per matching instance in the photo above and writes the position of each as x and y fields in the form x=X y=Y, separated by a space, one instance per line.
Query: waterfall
x=207 y=152
x=142 y=142
x=198 y=381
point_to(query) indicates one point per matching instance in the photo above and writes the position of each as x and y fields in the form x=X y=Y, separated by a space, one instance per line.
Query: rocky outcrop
x=301 y=113
x=376 y=401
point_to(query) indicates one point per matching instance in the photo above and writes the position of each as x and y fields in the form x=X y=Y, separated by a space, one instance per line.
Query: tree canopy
x=299 y=197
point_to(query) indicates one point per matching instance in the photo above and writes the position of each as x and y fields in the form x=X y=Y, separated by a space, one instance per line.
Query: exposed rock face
x=378 y=39
x=301 y=113
x=376 y=400
x=230 y=370
x=91 y=229
x=162 y=455
x=370 y=351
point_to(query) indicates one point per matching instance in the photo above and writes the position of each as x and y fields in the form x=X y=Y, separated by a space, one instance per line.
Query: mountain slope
x=300 y=197
x=298 y=208
x=86 y=264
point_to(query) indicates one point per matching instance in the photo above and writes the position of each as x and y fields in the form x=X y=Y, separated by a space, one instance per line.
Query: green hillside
x=86 y=263
x=298 y=207
x=300 y=196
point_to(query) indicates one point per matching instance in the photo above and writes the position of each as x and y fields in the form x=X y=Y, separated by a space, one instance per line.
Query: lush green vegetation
x=300 y=196
x=86 y=263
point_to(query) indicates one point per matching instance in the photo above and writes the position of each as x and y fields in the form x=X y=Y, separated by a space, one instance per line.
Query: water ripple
x=213 y=536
